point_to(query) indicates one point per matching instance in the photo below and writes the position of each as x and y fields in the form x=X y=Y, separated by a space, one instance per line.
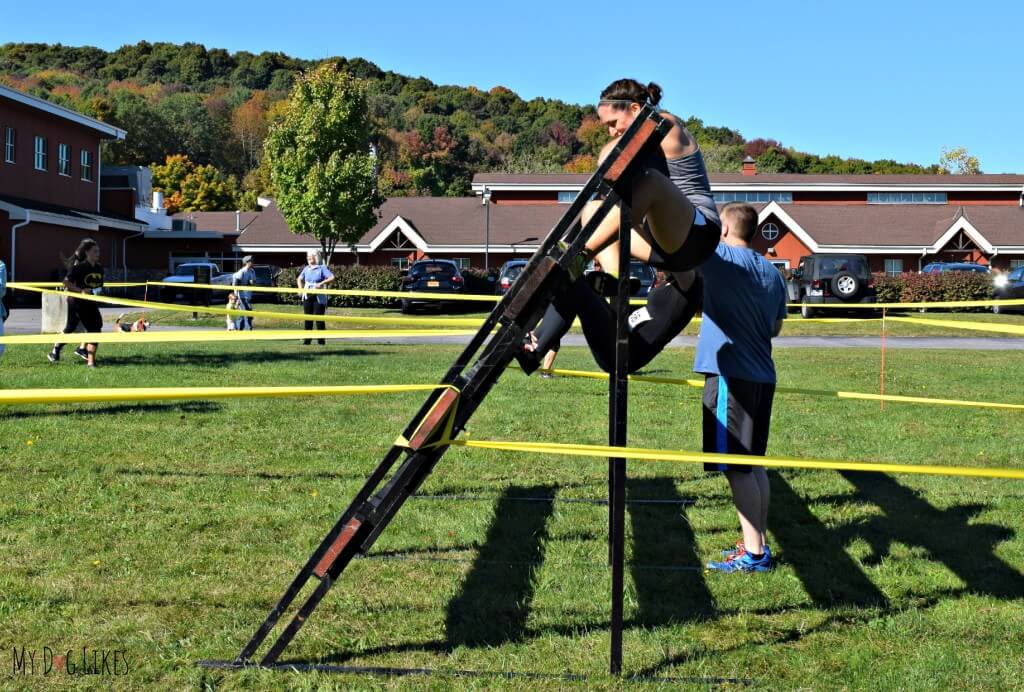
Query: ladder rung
x=350 y=529
x=435 y=418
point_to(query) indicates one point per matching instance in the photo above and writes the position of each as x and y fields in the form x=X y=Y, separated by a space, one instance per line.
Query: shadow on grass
x=302 y=354
x=948 y=536
x=662 y=535
x=88 y=410
x=816 y=553
x=492 y=608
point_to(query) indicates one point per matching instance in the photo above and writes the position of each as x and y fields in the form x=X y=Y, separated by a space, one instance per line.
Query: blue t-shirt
x=314 y=275
x=243 y=277
x=744 y=296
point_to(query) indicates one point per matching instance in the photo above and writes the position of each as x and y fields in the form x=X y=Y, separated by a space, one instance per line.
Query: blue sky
x=870 y=79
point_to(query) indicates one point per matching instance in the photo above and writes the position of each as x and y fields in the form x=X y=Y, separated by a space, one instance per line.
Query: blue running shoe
x=739 y=549
x=743 y=563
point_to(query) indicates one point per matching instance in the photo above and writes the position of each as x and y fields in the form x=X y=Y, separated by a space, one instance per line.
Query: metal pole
x=618 y=402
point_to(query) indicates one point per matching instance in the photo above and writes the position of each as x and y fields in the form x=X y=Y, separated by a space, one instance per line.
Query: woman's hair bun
x=653 y=94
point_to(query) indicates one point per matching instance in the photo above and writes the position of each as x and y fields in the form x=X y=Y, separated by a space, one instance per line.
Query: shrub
x=351 y=278
x=479 y=281
x=930 y=288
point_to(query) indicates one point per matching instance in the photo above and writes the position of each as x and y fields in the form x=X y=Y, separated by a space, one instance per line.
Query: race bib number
x=638 y=317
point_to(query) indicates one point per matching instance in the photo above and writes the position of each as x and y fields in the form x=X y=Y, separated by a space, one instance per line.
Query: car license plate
x=433 y=284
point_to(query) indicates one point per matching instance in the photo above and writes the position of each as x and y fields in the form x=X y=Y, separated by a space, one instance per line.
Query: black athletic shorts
x=737 y=415
x=86 y=312
x=700 y=242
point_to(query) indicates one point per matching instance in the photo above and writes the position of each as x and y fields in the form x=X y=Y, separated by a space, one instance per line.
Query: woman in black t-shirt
x=84 y=277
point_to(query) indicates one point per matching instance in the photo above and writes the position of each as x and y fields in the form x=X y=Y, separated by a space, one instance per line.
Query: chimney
x=749 y=166
x=158 y=203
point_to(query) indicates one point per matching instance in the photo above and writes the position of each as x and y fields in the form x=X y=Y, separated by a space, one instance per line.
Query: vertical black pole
x=617 y=407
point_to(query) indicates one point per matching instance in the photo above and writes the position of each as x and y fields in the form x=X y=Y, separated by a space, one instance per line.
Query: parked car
x=939 y=267
x=1006 y=286
x=431 y=276
x=644 y=273
x=266 y=276
x=642 y=278
x=834 y=279
x=189 y=273
x=510 y=271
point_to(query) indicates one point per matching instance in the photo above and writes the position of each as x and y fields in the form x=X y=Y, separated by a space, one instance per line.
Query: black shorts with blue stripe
x=737 y=415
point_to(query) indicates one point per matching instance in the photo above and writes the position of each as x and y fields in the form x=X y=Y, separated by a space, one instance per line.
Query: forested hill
x=214 y=107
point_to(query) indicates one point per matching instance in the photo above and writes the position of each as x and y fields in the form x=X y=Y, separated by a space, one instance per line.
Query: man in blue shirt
x=245 y=276
x=744 y=306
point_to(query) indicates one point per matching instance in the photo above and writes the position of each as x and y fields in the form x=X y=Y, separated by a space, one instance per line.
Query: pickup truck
x=186 y=274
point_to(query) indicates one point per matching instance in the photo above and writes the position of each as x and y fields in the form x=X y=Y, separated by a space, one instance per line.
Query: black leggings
x=646 y=340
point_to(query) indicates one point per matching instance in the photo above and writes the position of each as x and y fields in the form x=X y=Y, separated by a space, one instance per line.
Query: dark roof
x=802 y=179
x=772 y=179
x=530 y=179
x=220 y=221
x=439 y=220
x=904 y=224
x=463 y=220
x=84 y=214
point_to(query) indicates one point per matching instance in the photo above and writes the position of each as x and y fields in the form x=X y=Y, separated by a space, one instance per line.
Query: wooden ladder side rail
x=519 y=310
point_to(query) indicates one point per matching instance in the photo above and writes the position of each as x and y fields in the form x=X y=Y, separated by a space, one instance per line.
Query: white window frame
x=567 y=196
x=1015 y=263
x=462 y=262
x=781 y=263
x=63 y=160
x=85 y=165
x=890 y=266
x=401 y=263
x=40 y=153
x=9 y=150
x=768 y=228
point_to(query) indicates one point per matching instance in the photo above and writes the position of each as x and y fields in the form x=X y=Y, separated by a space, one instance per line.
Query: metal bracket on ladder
x=446 y=411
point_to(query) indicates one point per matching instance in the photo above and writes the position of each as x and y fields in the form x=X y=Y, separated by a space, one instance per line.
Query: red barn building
x=49 y=186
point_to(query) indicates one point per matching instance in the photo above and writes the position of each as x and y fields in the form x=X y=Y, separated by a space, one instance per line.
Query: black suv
x=834 y=279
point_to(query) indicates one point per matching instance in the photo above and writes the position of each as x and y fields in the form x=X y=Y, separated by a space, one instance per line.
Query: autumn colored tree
x=958 y=161
x=188 y=187
x=321 y=165
x=249 y=126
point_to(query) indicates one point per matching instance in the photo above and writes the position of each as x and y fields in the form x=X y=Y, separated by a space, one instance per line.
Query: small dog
x=139 y=325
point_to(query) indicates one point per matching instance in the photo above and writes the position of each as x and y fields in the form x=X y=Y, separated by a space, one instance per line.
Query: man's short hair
x=744 y=219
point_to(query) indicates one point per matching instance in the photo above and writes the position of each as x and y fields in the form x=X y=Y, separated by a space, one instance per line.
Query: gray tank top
x=689 y=174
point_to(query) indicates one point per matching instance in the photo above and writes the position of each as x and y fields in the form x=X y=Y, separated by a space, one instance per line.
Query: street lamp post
x=485 y=200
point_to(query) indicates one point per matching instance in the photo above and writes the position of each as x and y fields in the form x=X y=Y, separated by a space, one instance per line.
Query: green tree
x=958 y=161
x=320 y=163
x=188 y=187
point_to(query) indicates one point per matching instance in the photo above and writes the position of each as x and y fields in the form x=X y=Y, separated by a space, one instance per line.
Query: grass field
x=169 y=530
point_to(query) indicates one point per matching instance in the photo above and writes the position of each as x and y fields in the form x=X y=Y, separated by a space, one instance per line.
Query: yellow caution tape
x=957 y=324
x=864 y=396
x=633 y=301
x=60 y=284
x=1008 y=302
x=198 y=335
x=297 y=316
x=67 y=396
x=337 y=292
x=642 y=454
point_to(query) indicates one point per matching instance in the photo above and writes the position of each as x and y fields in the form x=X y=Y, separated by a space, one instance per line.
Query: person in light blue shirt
x=743 y=308
x=314 y=275
x=244 y=277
